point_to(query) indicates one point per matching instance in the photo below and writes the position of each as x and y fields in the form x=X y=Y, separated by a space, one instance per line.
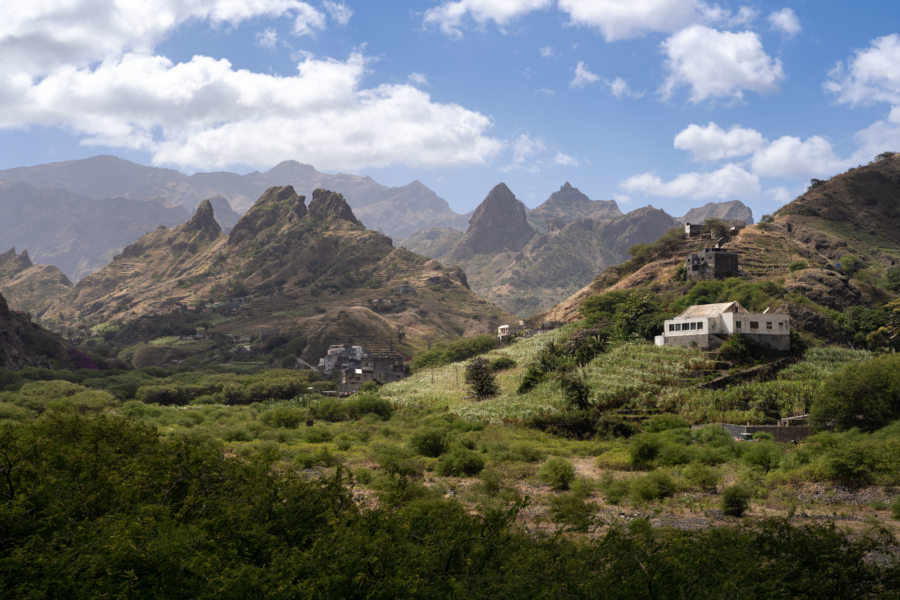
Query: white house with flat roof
x=707 y=326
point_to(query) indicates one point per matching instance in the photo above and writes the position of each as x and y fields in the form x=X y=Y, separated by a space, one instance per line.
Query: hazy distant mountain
x=734 y=210
x=567 y=205
x=396 y=211
x=523 y=270
x=76 y=233
x=29 y=287
x=312 y=272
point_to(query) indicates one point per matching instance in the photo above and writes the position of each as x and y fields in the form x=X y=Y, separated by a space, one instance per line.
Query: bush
x=460 y=462
x=653 y=486
x=502 y=363
x=895 y=508
x=701 y=476
x=573 y=510
x=643 y=450
x=288 y=417
x=762 y=453
x=455 y=351
x=398 y=461
x=576 y=390
x=797 y=265
x=480 y=378
x=558 y=473
x=365 y=404
x=864 y=394
x=429 y=442
x=665 y=422
x=736 y=500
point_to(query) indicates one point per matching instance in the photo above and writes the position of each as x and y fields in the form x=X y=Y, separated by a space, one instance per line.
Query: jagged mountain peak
x=204 y=220
x=327 y=204
x=12 y=263
x=733 y=210
x=277 y=206
x=499 y=223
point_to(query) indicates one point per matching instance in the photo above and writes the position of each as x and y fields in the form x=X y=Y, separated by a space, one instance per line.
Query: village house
x=708 y=326
x=504 y=331
x=711 y=263
x=692 y=229
x=341 y=356
x=380 y=367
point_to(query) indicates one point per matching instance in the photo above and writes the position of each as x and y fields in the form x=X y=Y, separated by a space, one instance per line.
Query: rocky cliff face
x=734 y=210
x=568 y=204
x=29 y=287
x=499 y=224
x=285 y=267
x=24 y=344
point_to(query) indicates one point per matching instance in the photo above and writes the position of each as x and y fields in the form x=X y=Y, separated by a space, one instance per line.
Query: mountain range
x=834 y=248
x=312 y=274
x=527 y=260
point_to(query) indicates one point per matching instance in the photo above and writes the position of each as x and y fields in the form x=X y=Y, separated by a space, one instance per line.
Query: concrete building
x=692 y=229
x=380 y=367
x=707 y=326
x=711 y=263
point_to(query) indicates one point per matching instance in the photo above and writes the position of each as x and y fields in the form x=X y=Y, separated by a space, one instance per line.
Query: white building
x=707 y=326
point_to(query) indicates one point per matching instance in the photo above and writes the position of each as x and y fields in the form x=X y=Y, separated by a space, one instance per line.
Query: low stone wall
x=782 y=433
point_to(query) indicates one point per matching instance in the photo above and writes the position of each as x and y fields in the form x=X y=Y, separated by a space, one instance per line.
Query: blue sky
x=673 y=103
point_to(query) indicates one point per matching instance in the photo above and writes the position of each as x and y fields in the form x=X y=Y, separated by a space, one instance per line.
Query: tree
x=864 y=394
x=480 y=378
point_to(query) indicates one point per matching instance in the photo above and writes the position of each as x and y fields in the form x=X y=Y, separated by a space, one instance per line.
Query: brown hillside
x=312 y=273
x=831 y=246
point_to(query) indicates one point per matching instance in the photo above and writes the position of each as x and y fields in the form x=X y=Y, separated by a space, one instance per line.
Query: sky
x=673 y=103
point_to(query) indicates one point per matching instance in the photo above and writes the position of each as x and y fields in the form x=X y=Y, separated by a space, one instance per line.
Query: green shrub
x=460 y=462
x=480 y=378
x=797 y=265
x=652 y=486
x=573 y=510
x=665 y=422
x=558 y=473
x=288 y=417
x=576 y=390
x=527 y=452
x=736 y=500
x=364 y=404
x=864 y=394
x=614 y=490
x=502 y=363
x=895 y=508
x=398 y=461
x=644 y=449
x=317 y=434
x=429 y=442
x=701 y=476
x=764 y=454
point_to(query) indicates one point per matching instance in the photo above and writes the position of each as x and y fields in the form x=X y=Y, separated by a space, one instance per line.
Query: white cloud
x=781 y=195
x=418 y=79
x=308 y=20
x=618 y=87
x=547 y=52
x=731 y=181
x=714 y=143
x=525 y=147
x=618 y=20
x=871 y=75
x=790 y=156
x=339 y=12
x=206 y=114
x=564 y=160
x=37 y=37
x=881 y=136
x=785 y=21
x=267 y=38
x=718 y=64
x=545 y=91
x=450 y=17
x=583 y=77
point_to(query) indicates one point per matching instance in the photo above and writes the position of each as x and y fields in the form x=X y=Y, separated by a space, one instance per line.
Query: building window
x=677 y=326
x=693 y=326
x=754 y=324
x=737 y=324
x=700 y=325
x=671 y=327
x=768 y=324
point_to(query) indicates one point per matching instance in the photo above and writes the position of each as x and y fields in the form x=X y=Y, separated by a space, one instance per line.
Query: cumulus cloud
x=728 y=182
x=206 y=114
x=718 y=64
x=525 y=147
x=880 y=136
x=619 y=88
x=714 y=143
x=339 y=12
x=870 y=75
x=564 y=160
x=418 y=79
x=451 y=17
x=583 y=76
x=267 y=38
x=785 y=21
x=790 y=156
x=547 y=52
x=38 y=37
x=617 y=20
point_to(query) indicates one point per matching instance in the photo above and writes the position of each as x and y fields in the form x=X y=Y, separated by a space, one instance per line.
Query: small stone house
x=692 y=229
x=711 y=263
x=707 y=326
